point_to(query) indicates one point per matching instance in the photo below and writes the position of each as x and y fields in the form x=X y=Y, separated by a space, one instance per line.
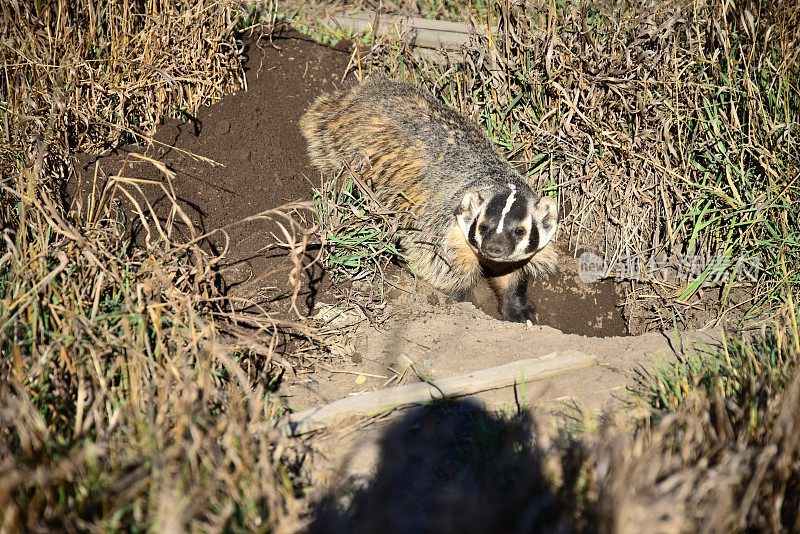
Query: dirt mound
x=445 y=338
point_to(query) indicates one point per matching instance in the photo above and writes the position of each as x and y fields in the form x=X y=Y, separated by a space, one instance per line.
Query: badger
x=470 y=214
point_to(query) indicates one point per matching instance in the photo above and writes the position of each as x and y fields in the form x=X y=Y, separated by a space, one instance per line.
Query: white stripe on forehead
x=509 y=202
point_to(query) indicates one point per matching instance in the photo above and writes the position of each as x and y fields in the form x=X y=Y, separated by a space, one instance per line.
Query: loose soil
x=259 y=162
x=254 y=138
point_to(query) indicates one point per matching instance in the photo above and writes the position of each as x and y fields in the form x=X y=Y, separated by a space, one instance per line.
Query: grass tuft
x=359 y=233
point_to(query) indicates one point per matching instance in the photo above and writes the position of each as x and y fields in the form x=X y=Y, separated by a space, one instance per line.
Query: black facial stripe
x=533 y=240
x=518 y=211
x=472 y=229
x=494 y=209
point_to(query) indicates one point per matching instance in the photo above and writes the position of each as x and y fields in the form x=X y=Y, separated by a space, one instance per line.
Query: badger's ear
x=546 y=218
x=470 y=205
x=468 y=211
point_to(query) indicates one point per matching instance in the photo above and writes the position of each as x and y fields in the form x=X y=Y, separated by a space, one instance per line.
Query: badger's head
x=506 y=223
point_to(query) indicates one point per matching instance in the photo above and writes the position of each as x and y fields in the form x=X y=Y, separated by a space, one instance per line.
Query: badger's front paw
x=462 y=295
x=518 y=311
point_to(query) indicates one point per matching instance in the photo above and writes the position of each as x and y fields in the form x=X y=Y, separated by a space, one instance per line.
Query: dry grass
x=134 y=395
x=309 y=13
x=360 y=232
x=726 y=460
x=111 y=71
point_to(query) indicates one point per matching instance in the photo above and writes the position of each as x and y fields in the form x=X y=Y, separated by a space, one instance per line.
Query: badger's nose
x=493 y=249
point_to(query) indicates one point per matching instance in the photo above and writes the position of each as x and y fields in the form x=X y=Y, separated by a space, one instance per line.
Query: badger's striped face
x=507 y=224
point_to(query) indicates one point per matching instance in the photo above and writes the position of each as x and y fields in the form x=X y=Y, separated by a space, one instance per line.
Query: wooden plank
x=425 y=33
x=416 y=22
x=458 y=386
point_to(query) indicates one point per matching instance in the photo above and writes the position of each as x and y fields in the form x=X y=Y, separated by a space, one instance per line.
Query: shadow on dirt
x=451 y=467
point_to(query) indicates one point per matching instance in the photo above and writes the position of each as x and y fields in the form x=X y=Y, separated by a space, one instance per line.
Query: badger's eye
x=483 y=228
x=519 y=231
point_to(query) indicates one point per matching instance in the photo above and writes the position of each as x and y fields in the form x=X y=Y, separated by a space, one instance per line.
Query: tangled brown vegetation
x=133 y=393
x=726 y=460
